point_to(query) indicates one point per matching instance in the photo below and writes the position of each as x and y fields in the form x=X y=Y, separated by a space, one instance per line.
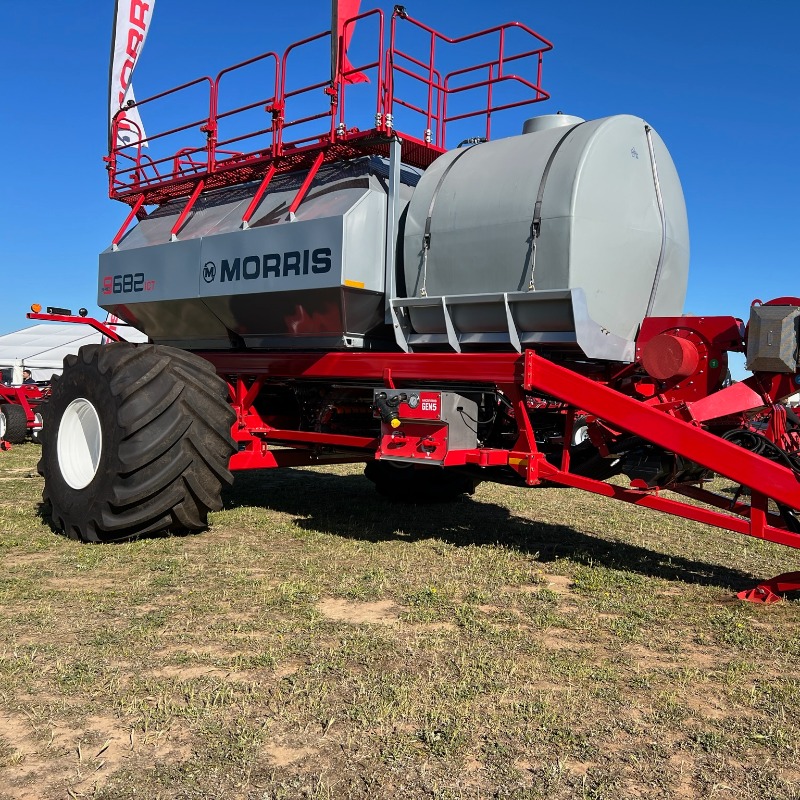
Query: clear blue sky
x=720 y=81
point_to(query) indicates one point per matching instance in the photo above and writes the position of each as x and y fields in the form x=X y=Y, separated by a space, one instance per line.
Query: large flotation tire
x=136 y=439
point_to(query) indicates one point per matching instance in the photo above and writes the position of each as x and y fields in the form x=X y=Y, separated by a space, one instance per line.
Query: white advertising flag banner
x=131 y=23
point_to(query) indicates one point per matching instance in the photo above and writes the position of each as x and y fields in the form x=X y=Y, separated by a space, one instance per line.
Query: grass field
x=319 y=642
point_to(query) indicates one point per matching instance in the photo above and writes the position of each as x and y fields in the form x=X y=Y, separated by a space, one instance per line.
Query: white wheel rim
x=2 y=425
x=580 y=435
x=80 y=443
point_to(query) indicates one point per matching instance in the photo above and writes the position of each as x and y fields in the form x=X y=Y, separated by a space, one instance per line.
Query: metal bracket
x=179 y=223
x=452 y=336
x=257 y=197
x=135 y=209
x=307 y=181
x=401 y=327
x=513 y=331
x=771 y=591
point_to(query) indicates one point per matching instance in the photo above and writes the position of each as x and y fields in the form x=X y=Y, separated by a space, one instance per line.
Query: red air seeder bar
x=514 y=375
x=667 y=425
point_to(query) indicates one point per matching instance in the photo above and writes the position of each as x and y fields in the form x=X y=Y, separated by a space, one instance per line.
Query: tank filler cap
x=547 y=121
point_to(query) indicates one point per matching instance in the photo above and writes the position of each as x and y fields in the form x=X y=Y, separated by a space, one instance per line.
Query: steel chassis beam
x=514 y=375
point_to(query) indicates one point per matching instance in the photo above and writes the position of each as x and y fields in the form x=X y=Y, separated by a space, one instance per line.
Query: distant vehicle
x=20 y=415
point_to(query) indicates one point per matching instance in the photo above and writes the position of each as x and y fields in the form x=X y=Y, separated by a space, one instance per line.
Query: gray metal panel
x=331 y=200
x=365 y=242
x=557 y=318
x=287 y=257
x=169 y=271
x=168 y=306
x=772 y=339
x=181 y=323
x=217 y=212
x=276 y=284
x=328 y=317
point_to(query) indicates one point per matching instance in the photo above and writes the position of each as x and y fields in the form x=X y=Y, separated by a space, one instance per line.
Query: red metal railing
x=225 y=145
x=439 y=90
x=265 y=103
x=133 y=170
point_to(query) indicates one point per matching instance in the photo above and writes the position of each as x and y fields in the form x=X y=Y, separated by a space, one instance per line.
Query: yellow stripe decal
x=355 y=284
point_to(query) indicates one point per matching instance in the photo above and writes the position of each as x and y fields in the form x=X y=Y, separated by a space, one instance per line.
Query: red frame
x=100 y=327
x=515 y=376
x=610 y=396
x=28 y=397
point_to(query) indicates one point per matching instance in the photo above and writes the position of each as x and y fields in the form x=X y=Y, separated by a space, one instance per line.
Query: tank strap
x=426 y=236
x=662 y=214
x=536 y=222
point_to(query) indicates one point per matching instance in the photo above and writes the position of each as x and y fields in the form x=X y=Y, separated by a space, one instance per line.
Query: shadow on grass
x=349 y=506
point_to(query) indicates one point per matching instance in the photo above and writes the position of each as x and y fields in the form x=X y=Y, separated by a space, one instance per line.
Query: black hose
x=756 y=443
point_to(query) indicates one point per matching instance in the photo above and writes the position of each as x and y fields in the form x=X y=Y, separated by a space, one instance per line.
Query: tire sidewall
x=82 y=381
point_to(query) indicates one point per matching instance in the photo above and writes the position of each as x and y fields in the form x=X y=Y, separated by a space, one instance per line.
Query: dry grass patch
x=321 y=643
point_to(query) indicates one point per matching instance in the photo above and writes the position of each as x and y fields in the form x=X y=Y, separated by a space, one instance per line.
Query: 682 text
x=124 y=284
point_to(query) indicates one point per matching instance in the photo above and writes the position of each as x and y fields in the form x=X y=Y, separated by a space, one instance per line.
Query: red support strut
x=771 y=591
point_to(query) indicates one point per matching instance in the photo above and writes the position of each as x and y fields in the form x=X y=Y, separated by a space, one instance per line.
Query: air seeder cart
x=414 y=294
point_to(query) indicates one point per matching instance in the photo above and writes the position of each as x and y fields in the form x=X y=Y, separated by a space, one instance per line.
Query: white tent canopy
x=42 y=348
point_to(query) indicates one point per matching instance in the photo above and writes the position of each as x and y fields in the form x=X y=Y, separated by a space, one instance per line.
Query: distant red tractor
x=19 y=412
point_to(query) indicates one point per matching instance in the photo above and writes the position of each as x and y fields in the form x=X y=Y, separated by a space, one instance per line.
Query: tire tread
x=171 y=463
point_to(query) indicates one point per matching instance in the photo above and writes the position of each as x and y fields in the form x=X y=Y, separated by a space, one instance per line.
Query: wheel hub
x=80 y=443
